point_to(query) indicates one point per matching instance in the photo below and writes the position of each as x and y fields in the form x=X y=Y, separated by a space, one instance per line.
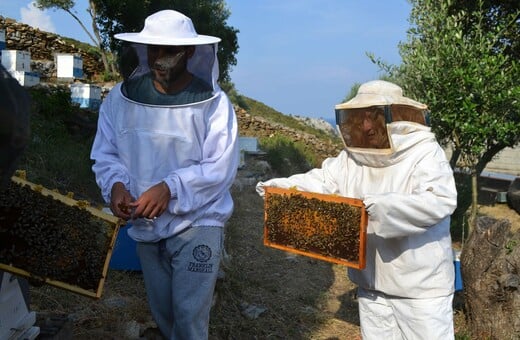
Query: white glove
x=260 y=189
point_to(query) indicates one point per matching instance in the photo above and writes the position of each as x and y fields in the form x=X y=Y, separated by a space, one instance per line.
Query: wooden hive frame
x=111 y=222
x=326 y=227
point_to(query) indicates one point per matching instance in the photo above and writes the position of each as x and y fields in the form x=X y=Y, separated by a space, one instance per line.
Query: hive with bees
x=326 y=227
x=54 y=239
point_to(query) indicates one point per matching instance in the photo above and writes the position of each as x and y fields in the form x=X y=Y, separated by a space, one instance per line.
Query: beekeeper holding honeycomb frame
x=393 y=162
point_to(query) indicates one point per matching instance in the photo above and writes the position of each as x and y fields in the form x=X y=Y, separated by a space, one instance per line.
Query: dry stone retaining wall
x=255 y=126
x=43 y=47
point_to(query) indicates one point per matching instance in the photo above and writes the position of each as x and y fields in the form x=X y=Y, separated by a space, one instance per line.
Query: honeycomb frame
x=107 y=223
x=331 y=228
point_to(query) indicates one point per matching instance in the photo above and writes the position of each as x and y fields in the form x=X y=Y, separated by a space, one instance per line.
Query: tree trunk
x=474 y=201
x=98 y=40
x=490 y=264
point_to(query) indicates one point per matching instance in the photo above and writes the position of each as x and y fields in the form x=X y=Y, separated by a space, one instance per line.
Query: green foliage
x=458 y=65
x=235 y=97
x=459 y=58
x=285 y=156
x=53 y=104
x=495 y=11
x=58 y=157
x=510 y=246
x=55 y=4
x=109 y=76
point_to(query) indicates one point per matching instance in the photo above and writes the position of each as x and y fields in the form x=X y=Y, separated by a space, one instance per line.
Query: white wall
x=506 y=162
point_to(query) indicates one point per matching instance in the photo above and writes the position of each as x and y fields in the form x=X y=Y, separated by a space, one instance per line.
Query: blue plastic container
x=458 y=274
x=124 y=256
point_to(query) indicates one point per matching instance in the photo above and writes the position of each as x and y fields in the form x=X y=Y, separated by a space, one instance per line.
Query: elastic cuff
x=171 y=186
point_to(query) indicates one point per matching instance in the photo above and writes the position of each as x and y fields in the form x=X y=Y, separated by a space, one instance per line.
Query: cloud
x=35 y=17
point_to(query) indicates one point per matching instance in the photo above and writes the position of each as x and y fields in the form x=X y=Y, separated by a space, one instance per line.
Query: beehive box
x=54 y=239
x=325 y=227
x=15 y=60
x=26 y=79
x=69 y=66
x=86 y=95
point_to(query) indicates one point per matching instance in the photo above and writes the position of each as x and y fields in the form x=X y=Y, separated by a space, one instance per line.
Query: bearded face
x=167 y=63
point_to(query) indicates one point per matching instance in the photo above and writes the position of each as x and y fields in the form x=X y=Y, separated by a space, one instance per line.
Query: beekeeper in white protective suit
x=394 y=164
x=165 y=157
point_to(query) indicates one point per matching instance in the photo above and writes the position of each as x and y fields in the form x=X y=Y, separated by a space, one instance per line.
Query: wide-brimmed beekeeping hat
x=379 y=93
x=168 y=27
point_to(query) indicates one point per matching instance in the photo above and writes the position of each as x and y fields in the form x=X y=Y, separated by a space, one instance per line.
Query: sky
x=300 y=57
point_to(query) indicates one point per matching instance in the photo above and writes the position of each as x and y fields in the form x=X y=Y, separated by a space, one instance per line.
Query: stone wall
x=255 y=126
x=43 y=47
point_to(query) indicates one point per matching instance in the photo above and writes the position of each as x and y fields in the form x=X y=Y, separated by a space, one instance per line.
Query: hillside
x=256 y=119
x=264 y=293
x=261 y=121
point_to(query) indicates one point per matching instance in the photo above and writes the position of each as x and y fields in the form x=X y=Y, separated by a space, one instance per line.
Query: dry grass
x=294 y=297
x=502 y=211
x=303 y=298
x=123 y=303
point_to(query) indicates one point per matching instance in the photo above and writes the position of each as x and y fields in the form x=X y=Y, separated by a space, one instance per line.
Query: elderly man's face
x=366 y=128
x=168 y=62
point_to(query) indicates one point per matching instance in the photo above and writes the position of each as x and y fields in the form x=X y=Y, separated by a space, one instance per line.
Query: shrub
x=285 y=156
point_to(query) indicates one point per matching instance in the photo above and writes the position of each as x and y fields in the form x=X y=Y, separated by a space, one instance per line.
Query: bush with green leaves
x=461 y=59
x=285 y=156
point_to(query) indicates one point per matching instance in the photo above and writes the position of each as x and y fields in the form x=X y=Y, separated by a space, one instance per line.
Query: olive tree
x=460 y=60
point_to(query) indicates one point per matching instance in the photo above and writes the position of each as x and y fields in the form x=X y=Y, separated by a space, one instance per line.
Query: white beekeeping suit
x=192 y=147
x=166 y=155
x=393 y=162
